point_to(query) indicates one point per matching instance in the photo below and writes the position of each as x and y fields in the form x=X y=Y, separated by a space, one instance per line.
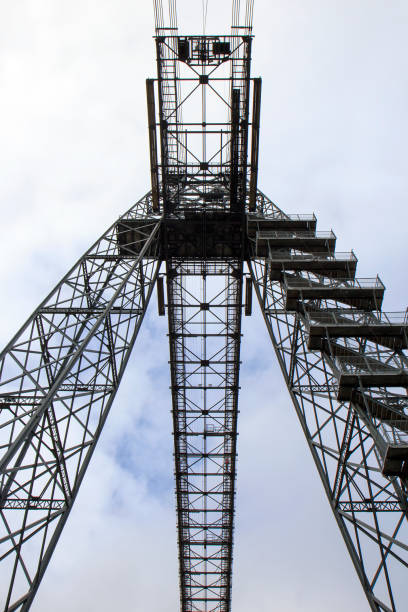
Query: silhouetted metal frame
x=196 y=187
x=59 y=376
x=344 y=440
x=205 y=409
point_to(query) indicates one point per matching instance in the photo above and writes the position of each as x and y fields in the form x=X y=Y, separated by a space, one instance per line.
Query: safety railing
x=393 y=435
x=300 y=234
x=361 y=364
x=282 y=217
x=323 y=256
x=311 y=217
x=350 y=316
x=300 y=282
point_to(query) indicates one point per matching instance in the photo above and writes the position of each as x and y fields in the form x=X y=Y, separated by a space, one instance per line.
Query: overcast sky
x=74 y=156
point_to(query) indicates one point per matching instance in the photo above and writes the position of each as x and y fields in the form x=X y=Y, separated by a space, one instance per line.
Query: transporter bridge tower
x=208 y=239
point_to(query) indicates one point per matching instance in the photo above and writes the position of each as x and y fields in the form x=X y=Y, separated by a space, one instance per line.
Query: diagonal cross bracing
x=59 y=376
x=346 y=381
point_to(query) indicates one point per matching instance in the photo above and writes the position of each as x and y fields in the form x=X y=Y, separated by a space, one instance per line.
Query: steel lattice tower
x=208 y=236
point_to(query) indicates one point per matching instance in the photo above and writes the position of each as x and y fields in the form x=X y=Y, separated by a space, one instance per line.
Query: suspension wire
x=173 y=13
x=172 y=7
x=205 y=13
x=202 y=7
x=235 y=13
x=249 y=15
x=158 y=14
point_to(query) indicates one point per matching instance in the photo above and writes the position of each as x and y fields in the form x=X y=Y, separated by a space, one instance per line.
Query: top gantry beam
x=203 y=109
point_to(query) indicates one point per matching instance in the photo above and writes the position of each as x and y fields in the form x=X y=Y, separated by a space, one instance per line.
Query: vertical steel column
x=204 y=329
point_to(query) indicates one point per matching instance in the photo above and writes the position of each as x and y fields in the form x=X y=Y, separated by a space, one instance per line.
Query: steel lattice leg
x=370 y=509
x=59 y=376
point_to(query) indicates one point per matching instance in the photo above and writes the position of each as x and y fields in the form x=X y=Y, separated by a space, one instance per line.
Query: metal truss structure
x=59 y=376
x=344 y=362
x=205 y=222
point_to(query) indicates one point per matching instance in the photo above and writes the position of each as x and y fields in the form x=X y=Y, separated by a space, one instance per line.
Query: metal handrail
x=293 y=254
x=291 y=282
x=360 y=364
x=274 y=234
x=309 y=217
x=350 y=316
